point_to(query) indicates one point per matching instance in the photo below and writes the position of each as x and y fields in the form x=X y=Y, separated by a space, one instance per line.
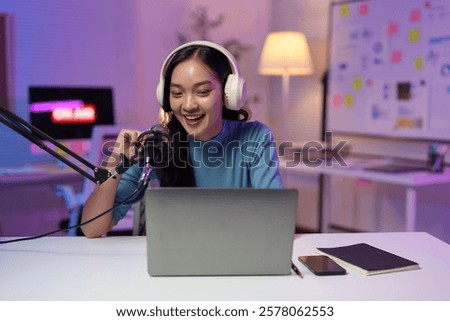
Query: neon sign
x=83 y=115
x=49 y=106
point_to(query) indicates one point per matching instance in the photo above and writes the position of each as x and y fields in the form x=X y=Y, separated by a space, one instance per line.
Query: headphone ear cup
x=235 y=92
x=160 y=93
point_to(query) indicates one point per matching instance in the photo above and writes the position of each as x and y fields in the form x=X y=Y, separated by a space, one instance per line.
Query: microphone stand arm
x=36 y=136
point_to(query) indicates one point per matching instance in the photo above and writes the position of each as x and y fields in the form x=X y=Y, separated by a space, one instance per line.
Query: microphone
x=152 y=147
x=151 y=150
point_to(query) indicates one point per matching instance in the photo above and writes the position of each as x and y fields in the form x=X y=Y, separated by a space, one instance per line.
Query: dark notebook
x=368 y=260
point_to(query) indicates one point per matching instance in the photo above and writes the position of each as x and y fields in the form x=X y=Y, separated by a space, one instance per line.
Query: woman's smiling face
x=196 y=99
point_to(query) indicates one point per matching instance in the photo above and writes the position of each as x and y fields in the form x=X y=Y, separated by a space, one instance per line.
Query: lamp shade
x=285 y=52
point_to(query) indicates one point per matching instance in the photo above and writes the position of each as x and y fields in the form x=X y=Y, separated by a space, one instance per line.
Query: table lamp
x=285 y=53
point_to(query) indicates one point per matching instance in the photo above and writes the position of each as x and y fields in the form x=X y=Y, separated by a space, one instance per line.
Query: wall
x=305 y=101
x=69 y=43
x=306 y=95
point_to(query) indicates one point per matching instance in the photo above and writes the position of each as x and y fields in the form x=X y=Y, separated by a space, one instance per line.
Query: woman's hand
x=102 y=198
x=124 y=144
x=127 y=138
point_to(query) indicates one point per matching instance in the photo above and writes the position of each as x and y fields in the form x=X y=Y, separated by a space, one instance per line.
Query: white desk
x=41 y=173
x=115 y=268
x=410 y=180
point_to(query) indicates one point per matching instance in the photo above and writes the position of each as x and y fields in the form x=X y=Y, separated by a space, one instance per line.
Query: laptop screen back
x=195 y=231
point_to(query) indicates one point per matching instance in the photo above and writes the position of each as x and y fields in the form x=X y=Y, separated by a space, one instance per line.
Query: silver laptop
x=198 y=231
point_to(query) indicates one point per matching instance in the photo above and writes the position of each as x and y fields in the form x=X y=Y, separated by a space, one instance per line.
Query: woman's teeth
x=193 y=118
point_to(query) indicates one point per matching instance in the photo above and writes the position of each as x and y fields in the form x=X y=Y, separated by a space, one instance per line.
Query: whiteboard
x=389 y=69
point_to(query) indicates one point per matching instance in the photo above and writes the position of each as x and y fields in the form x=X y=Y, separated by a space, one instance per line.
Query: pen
x=296 y=270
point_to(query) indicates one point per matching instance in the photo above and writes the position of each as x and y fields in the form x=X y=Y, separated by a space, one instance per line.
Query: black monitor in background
x=70 y=112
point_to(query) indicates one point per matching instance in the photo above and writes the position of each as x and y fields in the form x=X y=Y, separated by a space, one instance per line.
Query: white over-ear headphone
x=235 y=90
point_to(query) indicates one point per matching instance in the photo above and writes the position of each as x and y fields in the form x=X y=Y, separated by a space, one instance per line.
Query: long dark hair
x=179 y=171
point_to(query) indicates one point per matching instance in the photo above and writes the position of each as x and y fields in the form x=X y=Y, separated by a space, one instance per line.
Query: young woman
x=212 y=143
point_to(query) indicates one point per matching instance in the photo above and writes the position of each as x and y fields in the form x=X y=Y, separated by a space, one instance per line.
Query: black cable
x=78 y=225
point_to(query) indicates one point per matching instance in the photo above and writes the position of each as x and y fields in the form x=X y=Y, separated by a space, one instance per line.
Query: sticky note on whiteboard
x=414 y=15
x=363 y=9
x=348 y=100
x=396 y=56
x=357 y=83
x=408 y=123
x=414 y=35
x=337 y=100
x=392 y=28
x=345 y=11
x=419 y=62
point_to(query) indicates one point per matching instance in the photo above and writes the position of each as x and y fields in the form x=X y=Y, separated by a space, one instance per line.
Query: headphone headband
x=235 y=88
x=233 y=63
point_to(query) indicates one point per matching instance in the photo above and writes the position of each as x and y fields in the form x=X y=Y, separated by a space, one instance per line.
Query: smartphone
x=321 y=265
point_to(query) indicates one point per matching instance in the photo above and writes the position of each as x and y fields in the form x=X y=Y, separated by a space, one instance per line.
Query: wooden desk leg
x=411 y=209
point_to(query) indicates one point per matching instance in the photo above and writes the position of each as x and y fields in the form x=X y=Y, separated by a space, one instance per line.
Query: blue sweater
x=243 y=155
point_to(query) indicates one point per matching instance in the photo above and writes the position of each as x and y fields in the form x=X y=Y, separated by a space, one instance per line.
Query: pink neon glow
x=84 y=115
x=48 y=106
